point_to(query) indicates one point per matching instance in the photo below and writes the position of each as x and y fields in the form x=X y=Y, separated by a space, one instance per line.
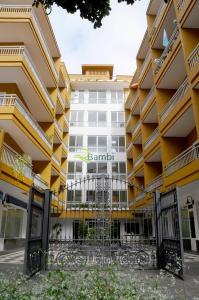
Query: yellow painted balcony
x=66 y=124
x=148 y=98
x=152 y=138
x=58 y=128
x=145 y=64
x=169 y=107
x=18 y=20
x=193 y=62
x=129 y=146
x=21 y=125
x=134 y=100
x=61 y=99
x=155 y=184
x=56 y=162
x=38 y=182
x=138 y=160
x=16 y=65
x=157 y=20
x=137 y=127
x=185 y=158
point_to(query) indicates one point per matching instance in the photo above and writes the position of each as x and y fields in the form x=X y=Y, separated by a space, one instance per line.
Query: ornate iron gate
x=169 y=237
x=37 y=231
x=100 y=231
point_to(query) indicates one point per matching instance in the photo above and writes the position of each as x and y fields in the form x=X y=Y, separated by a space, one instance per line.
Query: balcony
x=38 y=182
x=167 y=50
x=56 y=160
x=189 y=155
x=21 y=69
x=180 y=93
x=145 y=63
x=152 y=138
x=157 y=19
x=193 y=59
x=181 y=5
x=138 y=160
x=134 y=100
x=155 y=183
x=33 y=37
x=17 y=162
x=148 y=98
x=58 y=127
x=130 y=174
x=129 y=146
x=137 y=127
x=140 y=196
x=61 y=99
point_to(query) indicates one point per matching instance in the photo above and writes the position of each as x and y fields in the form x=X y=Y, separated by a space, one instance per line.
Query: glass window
x=123 y=196
x=115 y=168
x=92 y=143
x=78 y=195
x=92 y=118
x=90 y=196
x=77 y=118
x=92 y=168
x=113 y=97
x=120 y=97
x=115 y=196
x=92 y=97
x=75 y=142
x=117 y=119
x=117 y=97
x=79 y=141
x=101 y=118
x=102 y=143
x=81 y=97
x=74 y=169
x=102 y=97
x=121 y=144
x=102 y=168
x=114 y=143
x=122 y=167
x=78 y=167
x=71 y=167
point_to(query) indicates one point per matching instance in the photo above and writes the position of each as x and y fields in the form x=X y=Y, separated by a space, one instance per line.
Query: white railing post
x=193 y=59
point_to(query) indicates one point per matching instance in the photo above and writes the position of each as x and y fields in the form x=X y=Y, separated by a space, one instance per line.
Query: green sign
x=86 y=156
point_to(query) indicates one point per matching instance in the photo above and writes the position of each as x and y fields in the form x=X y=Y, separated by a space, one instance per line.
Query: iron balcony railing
x=137 y=127
x=174 y=100
x=66 y=120
x=13 y=159
x=89 y=205
x=140 y=196
x=128 y=120
x=167 y=49
x=151 y=138
x=58 y=127
x=56 y=160
x=193 y=59
x=63 y=173
x=65 y=145
x=138 y=160
x=181 y=4
x=13 y=100
x=61 y=98
x=39 y=182
x=29 y=10
x=157 y=19
x=21 y=50
x=185 y=158
x=145 y=63
x=155 y=183
x=134 y=99
x=129 y=146
x=130 y=174
x=148 y=98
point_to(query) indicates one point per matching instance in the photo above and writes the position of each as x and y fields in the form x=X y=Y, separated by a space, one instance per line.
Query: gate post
x=157 y=225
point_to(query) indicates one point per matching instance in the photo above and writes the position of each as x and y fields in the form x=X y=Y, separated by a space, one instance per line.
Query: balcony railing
x=134 y=98
x=58 y=127
x=129 y=146
x=128 y=120
x=167 y=49
x=174 y=100
x=61 y=98
x=63 y=173
x=13 y=159
x=140 y=196
x=145 y=63
x=183 y=159
x=29 y=9
x=193 y=59
x=130 y=174
x=13 y=100
x=151 y=138
x=21 y=50
x=137 y=127
x=56 y=160
x=181 y=4
x=148 y=98
x=138 y=160
x=39 y=182
x=157 y=19
x=155 y=183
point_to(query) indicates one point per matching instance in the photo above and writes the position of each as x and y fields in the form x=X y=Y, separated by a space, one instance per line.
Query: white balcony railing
x=21 y=50
x=128 y=120
x=13 y=100
x=134 y=99
x=55 y=159
x=167 y=49
x=183 y=159
x=130 y=174
x=148 y=98
x=193 y=59
x=58 y=127
x=155 y=183
x=13 y=159
x=30 y=10
x=157 y=19
x=61 y=98
x=140 y=196
x=151 y=138
x=145 y=63
x=181 y=4
x=39 y=182
x=174 y=100
x=129 y=146
x=63 y=173
x=137 y=127
x=138 y=160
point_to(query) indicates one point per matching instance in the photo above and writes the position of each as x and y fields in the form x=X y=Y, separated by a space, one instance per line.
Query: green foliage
x=92 y=10
x=96 y=284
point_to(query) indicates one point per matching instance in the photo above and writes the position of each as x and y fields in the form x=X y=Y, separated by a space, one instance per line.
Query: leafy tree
x=92 y=10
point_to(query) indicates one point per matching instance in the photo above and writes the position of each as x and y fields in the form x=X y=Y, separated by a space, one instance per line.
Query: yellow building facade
x=34 y=107
x=162 y=112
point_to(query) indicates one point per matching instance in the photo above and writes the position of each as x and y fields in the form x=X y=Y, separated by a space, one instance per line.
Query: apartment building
x=162 y=112
x=34 y=108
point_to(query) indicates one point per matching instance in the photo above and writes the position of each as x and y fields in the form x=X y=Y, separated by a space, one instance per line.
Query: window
x=96 y=119
x=119 y=196
x=74 y=196
x=117 y=97
x=97 y=168
x=118 y=144
x=118 y=168
x=77 y=118
x=117 y=119
x=77 y=97
x=90 y=196
x=97 y=143
x=97 y=97
x=75 y=142
x=74 y=169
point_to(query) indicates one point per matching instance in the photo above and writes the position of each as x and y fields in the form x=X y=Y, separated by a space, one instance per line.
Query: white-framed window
x=97 y=119
x=117 y=119
x=119 y=169
x=97 y=97
x=119 y=196
x=118 y=143
x=90 y=196
x=97 y=168
x=77 y=118
x=117 y=97
x=74 y=196
x=97 y=143
x=75 y=142
x=74 y=169
x=77 y=97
